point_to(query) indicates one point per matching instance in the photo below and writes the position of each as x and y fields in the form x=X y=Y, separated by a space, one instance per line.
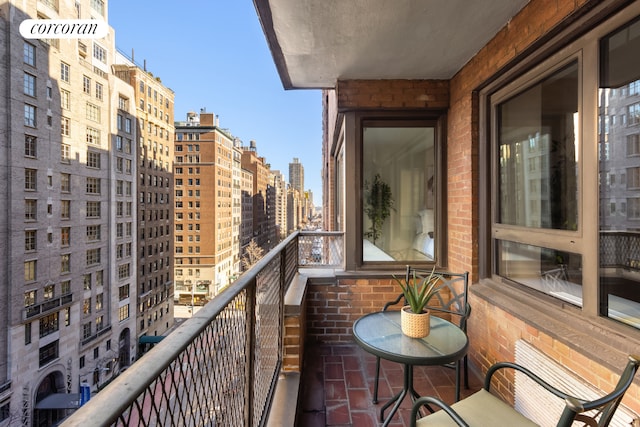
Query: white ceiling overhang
x=315 y=43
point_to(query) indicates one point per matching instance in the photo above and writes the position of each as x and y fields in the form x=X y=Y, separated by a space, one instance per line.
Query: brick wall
x=410 y=94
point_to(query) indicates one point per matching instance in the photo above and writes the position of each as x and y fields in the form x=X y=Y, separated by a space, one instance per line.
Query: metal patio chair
x=483 y=409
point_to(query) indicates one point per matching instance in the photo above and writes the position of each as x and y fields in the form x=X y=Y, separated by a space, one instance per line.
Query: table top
x=380 y=334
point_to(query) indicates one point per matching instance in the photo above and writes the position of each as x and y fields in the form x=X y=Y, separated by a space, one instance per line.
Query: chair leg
x=458 y=363
x=375 y=382
x=465 y=360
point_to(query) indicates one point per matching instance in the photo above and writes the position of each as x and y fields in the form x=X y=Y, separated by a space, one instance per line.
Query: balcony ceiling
x=314 y=43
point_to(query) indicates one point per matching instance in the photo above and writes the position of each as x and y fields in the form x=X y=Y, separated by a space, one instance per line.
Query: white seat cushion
x=481 y=409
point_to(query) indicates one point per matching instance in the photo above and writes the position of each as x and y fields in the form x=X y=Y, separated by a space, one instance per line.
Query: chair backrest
x=453 y=297
x=606 y=406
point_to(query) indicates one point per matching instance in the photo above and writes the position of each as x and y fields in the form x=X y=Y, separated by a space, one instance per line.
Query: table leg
x=398 y=398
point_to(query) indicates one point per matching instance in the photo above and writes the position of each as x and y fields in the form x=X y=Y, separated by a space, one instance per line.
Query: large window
x=564 y=140
x=399 y=197
x=619 y=225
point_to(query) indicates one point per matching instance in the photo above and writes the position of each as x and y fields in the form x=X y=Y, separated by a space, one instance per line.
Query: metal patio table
x=380 y=334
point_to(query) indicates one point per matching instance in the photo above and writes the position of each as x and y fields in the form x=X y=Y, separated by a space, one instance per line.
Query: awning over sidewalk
x=60 y=401
x=150 y=339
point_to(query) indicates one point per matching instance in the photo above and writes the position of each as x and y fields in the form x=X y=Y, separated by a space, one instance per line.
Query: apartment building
x=279 y=185
x=203 y=207
x=246 y=220
x=260 y=170
x=154 y=108
x=68 y=219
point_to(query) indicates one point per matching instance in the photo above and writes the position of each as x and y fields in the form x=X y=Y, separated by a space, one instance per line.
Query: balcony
x=238 y=360
x=279 y=334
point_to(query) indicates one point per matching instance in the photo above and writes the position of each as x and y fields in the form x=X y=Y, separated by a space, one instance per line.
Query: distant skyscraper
x=296 y=175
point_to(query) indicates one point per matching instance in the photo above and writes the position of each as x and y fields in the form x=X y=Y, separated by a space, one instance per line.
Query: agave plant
x=418 y=291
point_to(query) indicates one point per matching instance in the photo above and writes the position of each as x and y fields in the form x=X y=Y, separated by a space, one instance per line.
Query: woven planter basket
x=415 y=325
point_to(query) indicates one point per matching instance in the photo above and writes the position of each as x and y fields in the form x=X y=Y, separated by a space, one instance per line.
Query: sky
x=214 y=55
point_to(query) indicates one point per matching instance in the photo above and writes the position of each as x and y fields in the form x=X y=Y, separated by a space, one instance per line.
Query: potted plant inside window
x=418 y=291
x=378 y=205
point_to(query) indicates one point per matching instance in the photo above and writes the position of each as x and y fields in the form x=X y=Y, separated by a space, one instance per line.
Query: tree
x=252 y=254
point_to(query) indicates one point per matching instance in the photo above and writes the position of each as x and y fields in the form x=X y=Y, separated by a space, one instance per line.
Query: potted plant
x=418 y=291
x=379 y=202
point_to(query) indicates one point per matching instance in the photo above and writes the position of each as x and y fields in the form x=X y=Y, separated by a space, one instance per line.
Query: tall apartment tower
x=237 y=208
x=296 y=175
x=260 y=171
x=154 y=105
x=203 y=176
x=280 y=200
x=67 y=225
x=246 y=203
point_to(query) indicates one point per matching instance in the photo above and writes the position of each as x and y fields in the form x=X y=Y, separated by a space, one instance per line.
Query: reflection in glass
x=547 y=270
x=538 y=164
x=399 y=175
x=619 y=171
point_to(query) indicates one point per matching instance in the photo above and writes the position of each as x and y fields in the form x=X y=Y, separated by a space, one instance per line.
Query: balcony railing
x=220 y=367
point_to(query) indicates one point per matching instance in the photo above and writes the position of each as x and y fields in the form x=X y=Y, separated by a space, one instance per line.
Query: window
x=29 y=84
x=93 y=209
x=123 y=103
x=30 y=179
x=65 y=209
x=93 y=159
x=64 y=72
x=65 y=182
x=29 y=54
x=65 y=153
x=93 y=136
x=99 y=52
x=30 y=240
x=123 y=312
x=30 y=210
x=30 y=274
x=30 y=146
x=65 y=263
x=123 y=271
x=123 y=292
x=93 y=233
x=98 y=6
x=93 y=185
x=99 y=299
x=93 y=256
x=399 y=172
x=48 y=324
x=65 y=126
x=29 y=115
x=92 y=112
x=86 y=85
x=48 y=353
x=65 y=236
x=556 y=226
x=65 y=99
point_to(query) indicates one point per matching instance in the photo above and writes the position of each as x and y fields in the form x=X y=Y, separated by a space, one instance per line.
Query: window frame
x=585 y=240
x=350 y=146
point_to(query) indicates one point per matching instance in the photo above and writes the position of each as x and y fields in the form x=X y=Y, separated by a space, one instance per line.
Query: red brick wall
x=432 y=94
x=333 y=308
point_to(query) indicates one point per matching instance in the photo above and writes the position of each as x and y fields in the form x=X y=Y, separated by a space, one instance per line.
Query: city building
x=204 y=180
x=154 y=104
x=246 y=203
x=68 y=250
x=296 y=175
x=279 y=184
x=260 y=171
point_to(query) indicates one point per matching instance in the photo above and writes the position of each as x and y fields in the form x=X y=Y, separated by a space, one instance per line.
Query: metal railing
x=321 y=248
x=218 y=368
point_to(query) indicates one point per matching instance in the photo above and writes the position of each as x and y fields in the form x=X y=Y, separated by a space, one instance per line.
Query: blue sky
x=213 y=55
